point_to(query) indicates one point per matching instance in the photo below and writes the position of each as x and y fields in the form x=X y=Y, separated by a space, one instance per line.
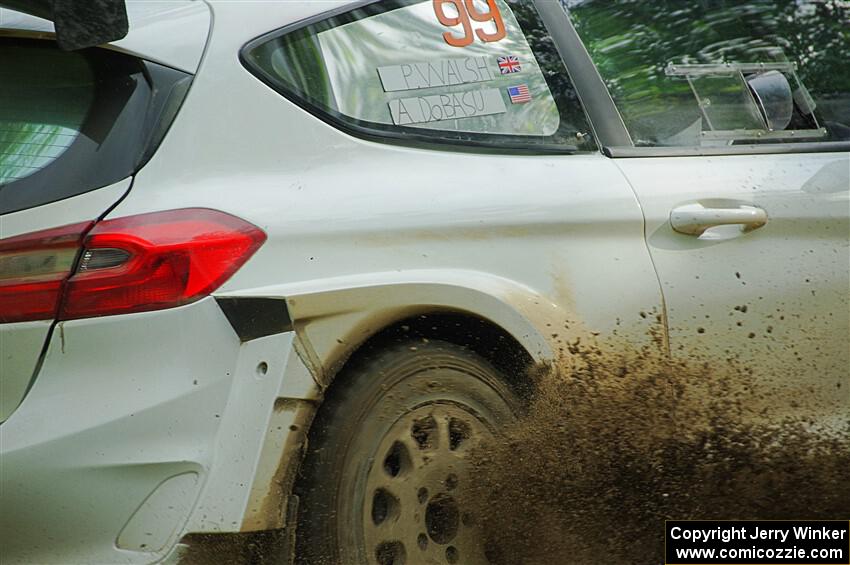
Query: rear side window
x=715 y=73
x=71 y=122
x=41 y=114
x=470 y=72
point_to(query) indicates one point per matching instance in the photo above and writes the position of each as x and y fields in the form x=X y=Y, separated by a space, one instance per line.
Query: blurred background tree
x=632 y=41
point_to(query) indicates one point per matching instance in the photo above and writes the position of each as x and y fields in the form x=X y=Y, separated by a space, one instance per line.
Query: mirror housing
x=78 y=23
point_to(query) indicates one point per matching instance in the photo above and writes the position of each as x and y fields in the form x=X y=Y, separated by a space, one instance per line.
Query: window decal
x=439 y=72
x=519 y=94
x=449 y=106
x=464 y=12
x=399 y=51
x=509 y=65
x=384 y=70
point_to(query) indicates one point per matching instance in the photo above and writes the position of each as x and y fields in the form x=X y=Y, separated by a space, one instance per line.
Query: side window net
x=468 y=72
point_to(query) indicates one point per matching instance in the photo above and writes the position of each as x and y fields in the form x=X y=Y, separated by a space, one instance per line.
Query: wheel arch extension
x=493 y=317
x=500 y=321
x=460 y=328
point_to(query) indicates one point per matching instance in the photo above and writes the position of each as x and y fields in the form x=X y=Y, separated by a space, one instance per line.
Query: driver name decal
x=451 y=106
x=440 y=72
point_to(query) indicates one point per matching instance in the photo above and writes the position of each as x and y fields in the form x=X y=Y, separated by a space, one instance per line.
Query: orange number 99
x=462 y=18
x=466 y=12
x=492 y=14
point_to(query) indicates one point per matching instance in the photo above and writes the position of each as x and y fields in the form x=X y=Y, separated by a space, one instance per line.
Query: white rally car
x=277 y=266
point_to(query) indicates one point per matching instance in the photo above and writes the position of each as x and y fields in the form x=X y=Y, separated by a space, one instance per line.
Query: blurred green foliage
x=632 y=41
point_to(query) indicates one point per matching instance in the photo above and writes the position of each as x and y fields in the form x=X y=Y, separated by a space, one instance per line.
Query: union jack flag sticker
x=509 y=64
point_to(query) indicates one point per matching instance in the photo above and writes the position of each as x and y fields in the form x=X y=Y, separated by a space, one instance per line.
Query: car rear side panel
x=123 y=407
x=21 y=344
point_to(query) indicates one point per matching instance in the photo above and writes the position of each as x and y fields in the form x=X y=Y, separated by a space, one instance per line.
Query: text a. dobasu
x=446 y=106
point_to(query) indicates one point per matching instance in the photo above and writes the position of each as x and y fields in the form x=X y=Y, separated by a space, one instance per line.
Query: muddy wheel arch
x=331 y=325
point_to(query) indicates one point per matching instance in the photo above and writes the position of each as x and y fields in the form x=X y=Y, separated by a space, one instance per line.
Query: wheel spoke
x=419 y=456
x=412 y=489
x=443 y=435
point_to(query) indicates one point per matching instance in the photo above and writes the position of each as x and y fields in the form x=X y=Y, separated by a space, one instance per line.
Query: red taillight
x=136 y=264
x=155 y=261
x=32 y=269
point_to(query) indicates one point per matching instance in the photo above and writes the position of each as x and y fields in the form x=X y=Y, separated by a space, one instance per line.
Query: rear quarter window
x=461 y=72
x=41 y=113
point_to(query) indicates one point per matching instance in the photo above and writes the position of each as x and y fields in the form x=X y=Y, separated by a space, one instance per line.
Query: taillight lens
x=156 y=261
x=131 y=264
x=33 y=268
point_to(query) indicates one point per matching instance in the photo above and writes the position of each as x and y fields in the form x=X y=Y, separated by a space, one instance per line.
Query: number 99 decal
x=466 y=14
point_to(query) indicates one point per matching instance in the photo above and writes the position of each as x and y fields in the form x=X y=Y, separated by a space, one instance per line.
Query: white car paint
x=186 y=24
x=781 y=289
x=21 y=343
x=133 y=414
x=93 y=440
x=87 y=484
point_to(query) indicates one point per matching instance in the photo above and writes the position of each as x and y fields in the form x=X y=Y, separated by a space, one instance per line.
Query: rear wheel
x=387 y=465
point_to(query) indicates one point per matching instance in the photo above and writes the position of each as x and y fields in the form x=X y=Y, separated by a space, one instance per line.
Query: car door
x=74 y=126
x=738 y=154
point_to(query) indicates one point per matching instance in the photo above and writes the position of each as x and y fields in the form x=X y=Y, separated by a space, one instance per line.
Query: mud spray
x=614 y=444
x=616 y=440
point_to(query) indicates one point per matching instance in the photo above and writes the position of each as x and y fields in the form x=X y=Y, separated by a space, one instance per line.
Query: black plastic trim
x=169 y=88
x=765 y=149
x=605 y=119
x=253 y=318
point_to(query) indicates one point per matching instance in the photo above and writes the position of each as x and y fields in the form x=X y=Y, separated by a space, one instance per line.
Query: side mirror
x=78 y=23
x=773 y=96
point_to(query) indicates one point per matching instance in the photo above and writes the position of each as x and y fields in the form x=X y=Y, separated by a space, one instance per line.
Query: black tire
x=386 y=455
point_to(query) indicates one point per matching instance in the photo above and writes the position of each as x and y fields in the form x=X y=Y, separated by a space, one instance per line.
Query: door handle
x=695 y=219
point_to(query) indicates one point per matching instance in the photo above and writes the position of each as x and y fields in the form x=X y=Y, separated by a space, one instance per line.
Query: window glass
x=470 y=71
x=717 y=72
x=71 y=122
x=42 y=114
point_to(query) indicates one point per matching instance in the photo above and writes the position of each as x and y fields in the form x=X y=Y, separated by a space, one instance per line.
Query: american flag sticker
x=509 y=65
x=519 y=94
